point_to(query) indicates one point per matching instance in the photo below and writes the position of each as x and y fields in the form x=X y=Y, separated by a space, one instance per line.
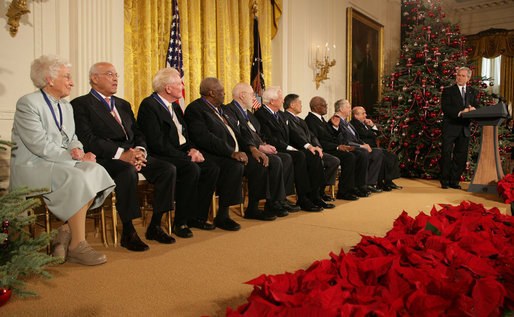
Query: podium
x=488 y=169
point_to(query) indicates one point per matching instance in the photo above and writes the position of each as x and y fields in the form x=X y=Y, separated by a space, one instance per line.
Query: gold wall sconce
x=17 y=8
x=324 y=59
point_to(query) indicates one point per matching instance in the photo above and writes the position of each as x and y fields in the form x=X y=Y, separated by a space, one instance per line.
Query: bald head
x=243 y=94
x=212 y=90
x=359 y=113
x=318 y=105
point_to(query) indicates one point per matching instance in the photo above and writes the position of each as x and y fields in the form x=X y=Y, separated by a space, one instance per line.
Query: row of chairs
x=44 y=217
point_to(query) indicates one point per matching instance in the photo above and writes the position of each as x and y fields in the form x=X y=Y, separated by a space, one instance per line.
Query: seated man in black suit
x=218 y=136
x=368 y=133
x=348 y=135
x=308 y=167
x=162 y=122
x=353 y=169
x=301 y=137
x=106 y=126
x=281 y=175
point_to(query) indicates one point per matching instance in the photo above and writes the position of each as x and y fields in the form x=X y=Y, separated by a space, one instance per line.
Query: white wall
x=480 y=15
x=83 y=31
x=305 y=23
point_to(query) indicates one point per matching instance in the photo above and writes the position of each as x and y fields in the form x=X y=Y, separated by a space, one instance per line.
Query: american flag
x=174 y=55
x=256 y=77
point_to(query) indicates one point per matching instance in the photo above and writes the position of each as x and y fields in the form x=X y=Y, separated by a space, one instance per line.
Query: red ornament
x=428 y=94
x=402 y=165
x=5 y=295
x=405 y=144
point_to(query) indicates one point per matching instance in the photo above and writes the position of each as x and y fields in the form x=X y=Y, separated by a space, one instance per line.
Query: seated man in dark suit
x=106 y=126
x=281 y=175
x=368 y=133
x=301 y=137
x=348 y=135
x=162 y=122
x=353 y=169
x=308 y=168
x=219 y=138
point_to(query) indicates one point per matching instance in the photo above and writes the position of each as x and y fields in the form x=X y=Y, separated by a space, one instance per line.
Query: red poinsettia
x=506 y=188
x=458 y=261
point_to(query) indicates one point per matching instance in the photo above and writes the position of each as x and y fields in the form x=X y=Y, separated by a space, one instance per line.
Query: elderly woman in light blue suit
x=48 y=154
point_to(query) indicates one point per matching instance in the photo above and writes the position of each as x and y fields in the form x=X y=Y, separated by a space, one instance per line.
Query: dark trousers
x=195 y=186
x=287 y=172
x=257 y=175
x=160 y=173
x=348 y=170
x=390 y=168
x=229 y=181
x=330 y=165
x=453 y=157
x=376 y=156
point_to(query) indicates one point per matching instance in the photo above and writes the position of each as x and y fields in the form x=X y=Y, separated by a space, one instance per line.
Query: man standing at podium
x=456 y=100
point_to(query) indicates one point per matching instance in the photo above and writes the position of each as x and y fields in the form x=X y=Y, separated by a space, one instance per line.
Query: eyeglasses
x=111 y=74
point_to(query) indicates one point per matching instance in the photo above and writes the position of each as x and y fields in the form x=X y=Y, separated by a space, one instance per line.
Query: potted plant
x=20 y=254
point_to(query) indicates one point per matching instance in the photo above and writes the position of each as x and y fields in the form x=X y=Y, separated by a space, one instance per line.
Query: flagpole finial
x=255 y=8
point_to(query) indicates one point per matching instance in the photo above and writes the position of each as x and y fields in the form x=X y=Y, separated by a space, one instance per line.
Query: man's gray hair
x=46 y=66
x=270 y=93
x=341 y=103
x=164 y=77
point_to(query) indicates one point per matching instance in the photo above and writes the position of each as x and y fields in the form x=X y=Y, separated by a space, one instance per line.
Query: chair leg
x=102 y=220
x=213 y=208
x=48 y=227
x=169 y=222
x=333 y=191
x=114 y=221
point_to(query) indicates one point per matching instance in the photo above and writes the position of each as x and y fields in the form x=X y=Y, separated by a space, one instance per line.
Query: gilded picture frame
x=364 y=60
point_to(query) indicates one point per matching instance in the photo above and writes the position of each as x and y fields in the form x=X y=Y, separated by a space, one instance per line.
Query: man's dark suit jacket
x=346 y=136
x=101 y=134
x=274 y=132
x=323 y=131
x=161 y=133
x=451 y=104
x=366 y=134
x=99 y=131
x=299 y=131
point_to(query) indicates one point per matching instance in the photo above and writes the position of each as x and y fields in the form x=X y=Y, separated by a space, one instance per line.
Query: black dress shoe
x=324 y=204
x=182 y=231
x=374 y=189
x=386 y=188
x=200 y=224
x=444 y=185
x=455 y=186
x=347 y=196
x=275 y=208
x=227 y=224
x=132 y=242
x=259 y=215
x=362 y=193
x=309 y=206
x=393 y=186
x=286 y=205
x=156 y=233
x=327 y=198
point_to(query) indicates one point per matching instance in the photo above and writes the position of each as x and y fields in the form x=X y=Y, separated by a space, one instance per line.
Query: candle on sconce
x=317 y=53
x=327 y=50
x=334 y=52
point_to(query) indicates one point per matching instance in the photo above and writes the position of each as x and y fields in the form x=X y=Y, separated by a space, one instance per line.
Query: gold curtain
x=217 y=41
x=507 y=78
x=147 y=31
x=493 y=43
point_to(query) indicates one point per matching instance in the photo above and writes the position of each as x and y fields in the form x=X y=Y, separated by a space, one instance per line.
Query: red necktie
x=113 y=112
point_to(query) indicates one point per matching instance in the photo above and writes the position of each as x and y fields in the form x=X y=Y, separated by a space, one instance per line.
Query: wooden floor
x=205 y=274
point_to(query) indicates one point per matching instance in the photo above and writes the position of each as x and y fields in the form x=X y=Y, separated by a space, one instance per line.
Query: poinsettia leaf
x=432 y=228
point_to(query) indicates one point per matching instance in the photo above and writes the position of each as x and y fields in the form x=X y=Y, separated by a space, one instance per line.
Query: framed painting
x=365 y=60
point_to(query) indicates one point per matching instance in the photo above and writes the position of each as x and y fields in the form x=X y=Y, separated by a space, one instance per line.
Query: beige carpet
x=205 y=274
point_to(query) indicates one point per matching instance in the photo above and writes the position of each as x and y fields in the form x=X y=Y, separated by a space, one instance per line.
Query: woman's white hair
x=46 y=66
x=270 y=93
x=163 y=78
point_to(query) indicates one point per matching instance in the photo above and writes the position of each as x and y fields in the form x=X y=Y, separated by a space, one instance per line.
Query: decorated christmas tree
x=20 y=254
x=409 y=114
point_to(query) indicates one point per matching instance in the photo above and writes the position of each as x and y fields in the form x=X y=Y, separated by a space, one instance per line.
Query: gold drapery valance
x=217 y=41
x=491 y=43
